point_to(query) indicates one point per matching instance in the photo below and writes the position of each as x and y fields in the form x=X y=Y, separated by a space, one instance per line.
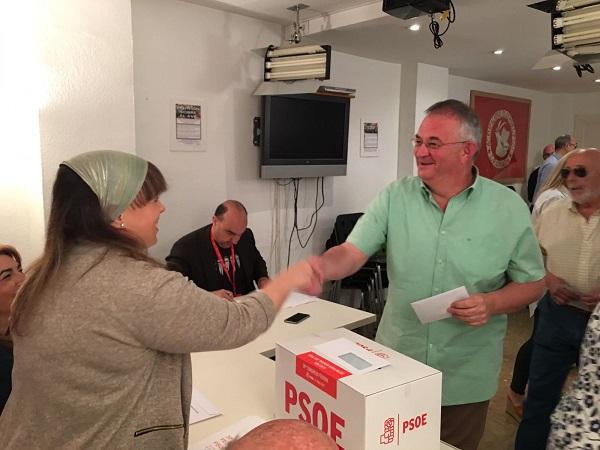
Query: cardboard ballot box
x=327 y=379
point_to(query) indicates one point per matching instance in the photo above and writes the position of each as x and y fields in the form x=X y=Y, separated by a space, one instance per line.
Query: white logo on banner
x=501 y=128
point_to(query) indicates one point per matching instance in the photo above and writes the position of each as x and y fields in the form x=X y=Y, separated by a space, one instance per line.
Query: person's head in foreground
x=284 y=434
x=102 y=197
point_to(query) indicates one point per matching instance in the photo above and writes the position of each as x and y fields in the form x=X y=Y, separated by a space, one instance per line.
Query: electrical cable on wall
x=434 y=26
x=314 y=216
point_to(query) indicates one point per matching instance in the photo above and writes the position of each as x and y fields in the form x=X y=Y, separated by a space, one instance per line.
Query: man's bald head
x=547 y=151
x=284 y=434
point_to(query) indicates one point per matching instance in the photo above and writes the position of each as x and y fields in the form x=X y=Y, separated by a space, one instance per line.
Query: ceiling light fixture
x=415 y=27
x=556 y=68
x=597 y=80
x=498 y=52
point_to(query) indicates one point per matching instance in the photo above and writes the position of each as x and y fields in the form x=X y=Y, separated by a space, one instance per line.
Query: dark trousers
x=463 y=425
x=556 y=343
x=520 y=375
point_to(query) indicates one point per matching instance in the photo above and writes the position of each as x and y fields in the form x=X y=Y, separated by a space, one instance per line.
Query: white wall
x=86 y=47
x=72 y=91
x=186 y=50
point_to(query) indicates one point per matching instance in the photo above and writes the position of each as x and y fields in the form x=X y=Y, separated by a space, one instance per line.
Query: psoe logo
x=388 y=431
x=501 y=139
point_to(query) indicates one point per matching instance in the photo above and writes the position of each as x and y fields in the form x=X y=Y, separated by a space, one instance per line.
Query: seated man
x=205 y=256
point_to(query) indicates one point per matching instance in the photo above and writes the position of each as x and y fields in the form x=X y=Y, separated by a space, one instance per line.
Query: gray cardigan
x=104 y=360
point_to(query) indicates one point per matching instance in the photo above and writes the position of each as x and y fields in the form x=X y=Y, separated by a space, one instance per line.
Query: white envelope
x=434 y=308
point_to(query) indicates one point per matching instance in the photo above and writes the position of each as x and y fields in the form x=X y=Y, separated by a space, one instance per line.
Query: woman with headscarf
x=11 y=278
x=102 y=333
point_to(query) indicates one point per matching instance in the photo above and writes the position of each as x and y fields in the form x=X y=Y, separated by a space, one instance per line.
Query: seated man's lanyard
x=230 y=276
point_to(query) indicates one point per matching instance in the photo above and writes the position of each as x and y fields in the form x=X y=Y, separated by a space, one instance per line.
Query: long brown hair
x=76 y=218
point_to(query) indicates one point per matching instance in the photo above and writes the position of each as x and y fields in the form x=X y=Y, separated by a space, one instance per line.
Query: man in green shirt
x=448 y=227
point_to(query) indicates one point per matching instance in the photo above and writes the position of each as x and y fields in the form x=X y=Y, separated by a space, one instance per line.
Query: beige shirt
x=571 y=246
x=104 y=363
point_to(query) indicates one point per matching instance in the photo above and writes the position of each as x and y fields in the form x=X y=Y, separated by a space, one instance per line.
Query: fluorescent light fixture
x=415 y=27
x=300 y=62
x=498 y=52
x=566 y=5
x=576 y=30
x=556 y=68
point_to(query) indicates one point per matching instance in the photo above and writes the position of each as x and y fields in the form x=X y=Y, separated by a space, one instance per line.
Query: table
x=240 y=382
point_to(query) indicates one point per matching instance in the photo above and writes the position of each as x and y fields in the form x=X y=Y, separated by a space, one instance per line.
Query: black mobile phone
x=297 y=318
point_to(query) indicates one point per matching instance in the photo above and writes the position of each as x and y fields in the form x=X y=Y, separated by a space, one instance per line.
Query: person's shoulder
x=198 y=234
x=500 y=194
x=557 y=208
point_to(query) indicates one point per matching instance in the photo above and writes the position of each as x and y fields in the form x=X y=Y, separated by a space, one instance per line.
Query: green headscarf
x=115 y=177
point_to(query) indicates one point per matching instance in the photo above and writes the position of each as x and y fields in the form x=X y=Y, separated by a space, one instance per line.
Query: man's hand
x=559 y=290
x=591 y=298
x=224 y=293
x=474 y=310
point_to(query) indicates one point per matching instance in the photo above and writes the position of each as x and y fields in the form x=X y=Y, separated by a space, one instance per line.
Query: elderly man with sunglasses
x=569 y=235
x=449 y=227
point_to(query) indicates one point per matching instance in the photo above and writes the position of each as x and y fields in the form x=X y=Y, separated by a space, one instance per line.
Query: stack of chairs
x=371 y=280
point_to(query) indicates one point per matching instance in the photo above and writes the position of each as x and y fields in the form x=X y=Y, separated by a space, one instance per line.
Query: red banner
x=505 y=136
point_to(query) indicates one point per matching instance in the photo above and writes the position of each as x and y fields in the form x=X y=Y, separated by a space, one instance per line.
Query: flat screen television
x=304 y=135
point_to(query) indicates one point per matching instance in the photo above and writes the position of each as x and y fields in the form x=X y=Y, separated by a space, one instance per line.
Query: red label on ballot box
x=320 y=372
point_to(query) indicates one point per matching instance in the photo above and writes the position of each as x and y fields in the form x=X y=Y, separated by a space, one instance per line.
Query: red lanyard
x=230 y=276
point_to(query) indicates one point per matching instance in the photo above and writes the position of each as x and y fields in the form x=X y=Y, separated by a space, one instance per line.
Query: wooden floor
x=500 y=427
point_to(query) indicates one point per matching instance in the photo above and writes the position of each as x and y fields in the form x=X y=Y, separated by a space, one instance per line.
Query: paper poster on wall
x=369 y=139
x=187 y=119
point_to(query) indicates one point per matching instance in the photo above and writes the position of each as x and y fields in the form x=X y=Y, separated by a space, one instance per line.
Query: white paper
x=201 y=408
x=297 y=299
x=434 y=308
x=220 y=440
x=350 y=356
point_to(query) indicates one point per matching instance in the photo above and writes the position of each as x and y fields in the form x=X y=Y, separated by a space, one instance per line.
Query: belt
x=578 y=310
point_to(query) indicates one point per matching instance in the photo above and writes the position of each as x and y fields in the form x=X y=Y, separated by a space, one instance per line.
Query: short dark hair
x=562 y=141
x=470 y=125
x=224 y=207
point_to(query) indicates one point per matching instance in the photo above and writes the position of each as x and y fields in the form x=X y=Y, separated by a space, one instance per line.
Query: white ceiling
x=480 y=27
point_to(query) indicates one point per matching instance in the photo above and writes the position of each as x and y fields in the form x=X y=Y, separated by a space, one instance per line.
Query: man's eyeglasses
x=433 y=144
x=579 y=172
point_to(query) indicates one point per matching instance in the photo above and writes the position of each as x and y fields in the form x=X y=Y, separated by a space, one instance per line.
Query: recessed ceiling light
x=556 y=68
x=597 y=80
x=498 y=52
x=415 y=27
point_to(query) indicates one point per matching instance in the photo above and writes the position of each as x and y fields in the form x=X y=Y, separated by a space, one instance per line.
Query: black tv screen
x=304 y=136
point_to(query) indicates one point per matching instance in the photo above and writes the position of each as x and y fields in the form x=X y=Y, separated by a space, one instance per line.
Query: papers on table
x=297 y=299
x=220 y=440
x=348 y=355
x=434 y=308
x=201 y=408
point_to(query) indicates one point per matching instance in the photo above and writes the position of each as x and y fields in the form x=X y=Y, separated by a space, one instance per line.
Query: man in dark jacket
x=221 y=257
x=547 y=151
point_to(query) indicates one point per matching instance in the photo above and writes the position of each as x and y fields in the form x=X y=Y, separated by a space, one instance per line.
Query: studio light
x=298 y=63
x=576 y=29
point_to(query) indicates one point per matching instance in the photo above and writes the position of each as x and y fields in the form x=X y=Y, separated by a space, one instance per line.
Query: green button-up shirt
x=482 y=241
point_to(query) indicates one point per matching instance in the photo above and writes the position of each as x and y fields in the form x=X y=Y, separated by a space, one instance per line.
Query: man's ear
x=469 y=150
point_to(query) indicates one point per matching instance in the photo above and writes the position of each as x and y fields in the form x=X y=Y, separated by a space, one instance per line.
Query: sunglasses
x=579 y=172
